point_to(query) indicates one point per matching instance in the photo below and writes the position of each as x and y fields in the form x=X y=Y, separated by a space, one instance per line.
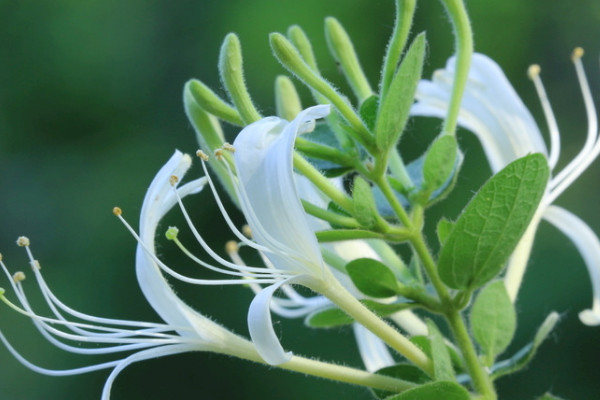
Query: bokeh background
x=90 y=108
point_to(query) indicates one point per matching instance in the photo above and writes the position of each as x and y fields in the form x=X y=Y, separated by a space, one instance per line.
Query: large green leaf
x=493 y=320
x=491 y=225
x=440 y=390
x=404 y=371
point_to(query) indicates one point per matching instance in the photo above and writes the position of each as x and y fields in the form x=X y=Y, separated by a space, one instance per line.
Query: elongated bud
x=208 y=100
x=291 y=59
x=287 y=101
x=232 y=75
x=439 y=163
x=300 y=40
x=365 y=209
x=342 y=50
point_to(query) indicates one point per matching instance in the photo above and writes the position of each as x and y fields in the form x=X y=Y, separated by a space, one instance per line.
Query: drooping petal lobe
x=268 y=194
x=373 y=351
x=491 y=109
x=260 y=326
x=588 y=245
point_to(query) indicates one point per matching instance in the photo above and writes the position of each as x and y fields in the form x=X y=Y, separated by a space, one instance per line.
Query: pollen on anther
x=23 y=241
x=219 y=154
x=247 y=231
x=18 y=276
x=36 y=264
x=202 y=155
x=533 y=71
x=117 y=211
x=173 y=180
x=228 y=147
x=577 y=53
x=231 y=247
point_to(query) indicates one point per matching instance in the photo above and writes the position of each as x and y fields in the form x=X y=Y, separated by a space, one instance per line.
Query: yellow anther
x=36 y=264
x=23 y=241
x=247 y=231
x=173 y=180
x=117 y=211
x=231 y=247
x=577 y=53
x=202 y=155
x=219 y=154
x=533 y=71
x=0 y=256
x=18 y=276
x=229 y=147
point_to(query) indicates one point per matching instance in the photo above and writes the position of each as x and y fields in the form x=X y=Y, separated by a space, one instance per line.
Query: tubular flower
x=494 y=112
x=184 y=329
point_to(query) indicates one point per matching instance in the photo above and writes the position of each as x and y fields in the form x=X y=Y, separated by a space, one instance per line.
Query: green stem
x=323 y=183
x=481 y=380
x=405 y=10
x=388 y=192
x=329 y=216
x=430 y=266
x=322 y=152
x=464 y=50
x=335 y=292
x=337 y=235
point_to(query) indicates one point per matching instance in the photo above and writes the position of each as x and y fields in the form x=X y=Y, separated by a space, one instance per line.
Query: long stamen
x=591 y=148
x=172 y=235
x=534 y=75
x=117 y=212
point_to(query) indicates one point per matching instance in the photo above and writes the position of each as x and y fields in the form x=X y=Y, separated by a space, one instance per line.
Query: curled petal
x=261 y=329
x=491 y=109
x=373 y=351
x=588 y=245
x=268 y=194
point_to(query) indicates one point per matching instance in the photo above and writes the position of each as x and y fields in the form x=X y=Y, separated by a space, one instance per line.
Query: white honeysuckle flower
x=494 y=112
x=184 y=329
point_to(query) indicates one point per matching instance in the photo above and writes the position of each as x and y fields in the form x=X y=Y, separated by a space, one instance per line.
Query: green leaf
x=439 y=162
x=334 y=317
x=491 y=225
x=365 y=210
x=444 y=227
x=424 y=343
x=368 y=111
x=328 y=318
x=440 y=390
x=493 y=320
x=442 y=366
x=395 y=108
x=526 y=354
x=404 y=371
x=372 y=277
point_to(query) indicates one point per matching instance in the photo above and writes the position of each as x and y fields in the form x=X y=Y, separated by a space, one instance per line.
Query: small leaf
x=395 y=107
x=491 y=225
x=526 y=354
x=442 y=366
x=368 y=111
x=328 y=318
x=333 y=317
x=404 y=371
x=493 y=320
x=444 y=227
x=424 y=343
x=439 y=162
x=440 y=390
x=372 y=278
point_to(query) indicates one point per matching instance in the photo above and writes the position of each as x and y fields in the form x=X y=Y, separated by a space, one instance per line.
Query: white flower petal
x=491 y=109
x=260 y=326
x=588 y=245
x=268 y=194
x=373 y=351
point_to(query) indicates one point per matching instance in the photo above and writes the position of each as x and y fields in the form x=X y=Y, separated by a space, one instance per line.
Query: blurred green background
x=90 y=108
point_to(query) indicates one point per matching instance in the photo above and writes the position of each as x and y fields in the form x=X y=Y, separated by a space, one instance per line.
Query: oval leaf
x=493 y=320
x=491 y=225
x=439 y=162
x=372 y=278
